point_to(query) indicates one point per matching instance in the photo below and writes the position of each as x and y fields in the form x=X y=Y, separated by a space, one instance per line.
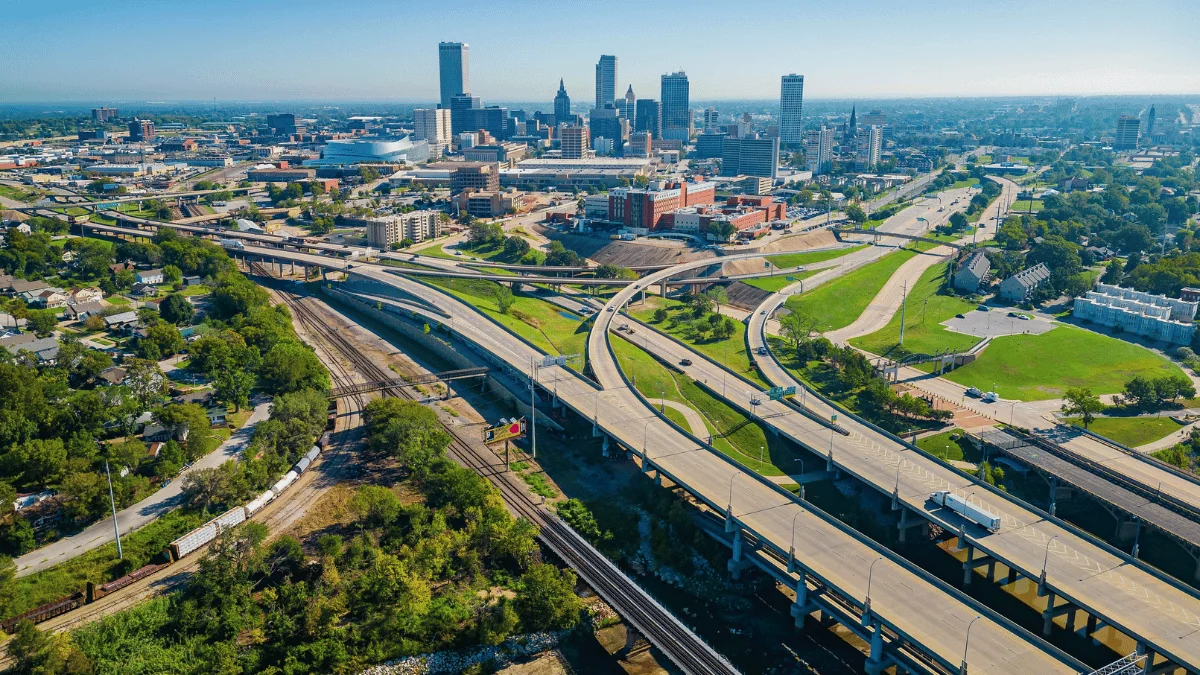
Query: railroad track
x=675 y=640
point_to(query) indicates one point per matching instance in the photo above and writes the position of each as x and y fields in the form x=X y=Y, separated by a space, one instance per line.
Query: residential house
x=1021 y=285
x=199 y=396
x=19 y=286
x=144 y=290
x=51 y=298
x=121 y=320
x=155 y=432
x=121 y=267
x=154 y=276
x=45 y=349
x=114 y=375
x=972 y=272
x=89 y=294
x=215 y=414
x=193 y=281
x=83 y=310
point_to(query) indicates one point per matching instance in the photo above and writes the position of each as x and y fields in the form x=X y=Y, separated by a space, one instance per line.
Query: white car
x=990 y=397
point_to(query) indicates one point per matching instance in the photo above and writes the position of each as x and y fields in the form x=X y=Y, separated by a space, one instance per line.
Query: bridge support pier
x=1012 y=577
x=737 y=562
x=972 y=562
x=904 y=525
x=801 y=608
x=1051 y=611
x=875 y=661
x=1053 y=494
x=1148 y=652
x=662 y=288
x=604 y=446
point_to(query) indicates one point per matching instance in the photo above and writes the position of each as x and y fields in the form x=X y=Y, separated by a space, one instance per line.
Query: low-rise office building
x=601 y=172
x=489 y=204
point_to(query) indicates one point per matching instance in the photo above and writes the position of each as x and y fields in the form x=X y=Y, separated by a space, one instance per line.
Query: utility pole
x=533 y=404
x=113 y=502
x=903 y=302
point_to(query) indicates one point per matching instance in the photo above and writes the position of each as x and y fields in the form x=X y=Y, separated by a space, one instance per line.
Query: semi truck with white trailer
x=985 y=519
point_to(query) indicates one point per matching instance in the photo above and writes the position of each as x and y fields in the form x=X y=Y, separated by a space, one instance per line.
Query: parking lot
x=997 y=322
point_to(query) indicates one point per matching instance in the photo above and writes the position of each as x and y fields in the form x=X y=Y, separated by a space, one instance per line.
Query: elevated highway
x=912 y=618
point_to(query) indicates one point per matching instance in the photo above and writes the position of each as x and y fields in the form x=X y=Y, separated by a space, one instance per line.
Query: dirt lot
x=630 y=253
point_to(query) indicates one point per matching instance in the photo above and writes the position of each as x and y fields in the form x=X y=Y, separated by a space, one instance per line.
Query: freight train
x=176 y=550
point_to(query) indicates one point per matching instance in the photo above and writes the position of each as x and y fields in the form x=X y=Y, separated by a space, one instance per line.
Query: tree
x=407 y=430
x=504 y=298
x=43 y=322
x=660 y=315
x=855 y=213
x=1081 y=401
x=38 y=653
x=547 y=599
x=797 y=326
x=700 y=303
x=233 y=386
x=172 y=274
x=145 y=381
x=515 y=248
x=290 y=366
x=718 y=295
x=176 y=309
x=1112 y=273
x=720 y=230
x=160 y=341
x=560 y=256
x=958 y=221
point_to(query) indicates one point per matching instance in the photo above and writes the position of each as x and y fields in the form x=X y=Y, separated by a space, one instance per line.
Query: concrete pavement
x=132 y=517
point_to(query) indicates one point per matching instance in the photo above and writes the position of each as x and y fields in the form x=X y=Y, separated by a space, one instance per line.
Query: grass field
x=20 y=194
x=1131 y=431
x=99 y=565
x=552 y=328
x=1022 y=206
x=489 y=253
x=949 y=445
x=923 y=332
x=731 y=352
x=1039 y=367
x=787 y=260
x=732 y=433
x=838 y=303
x=779 y=281
x=970 y=182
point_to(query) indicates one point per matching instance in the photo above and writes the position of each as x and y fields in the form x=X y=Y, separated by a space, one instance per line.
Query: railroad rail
x=678 y=642
x=394 y=382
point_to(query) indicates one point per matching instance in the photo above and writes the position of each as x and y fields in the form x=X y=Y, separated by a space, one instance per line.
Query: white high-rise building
x=710 y=119
x=870 y=147
x=791 y=109
x=432 y=124
x=818 y=150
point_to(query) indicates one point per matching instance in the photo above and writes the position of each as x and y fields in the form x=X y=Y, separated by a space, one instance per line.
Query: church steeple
x=853 y=120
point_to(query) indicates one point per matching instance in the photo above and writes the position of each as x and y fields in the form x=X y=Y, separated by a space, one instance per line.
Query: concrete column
x=991 y=570
x=1048 y=615
x=662 y=288
x=800 y=606
x=1012 y=576
x=967 y=566
x=1091 y=625
x=903 y=522
x=735 y=562
x=875 y=659
x=1053 y=494
x=1148 y=666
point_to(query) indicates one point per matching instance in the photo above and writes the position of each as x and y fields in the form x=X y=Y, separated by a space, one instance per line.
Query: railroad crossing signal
x=506 y=430
x=776 y=393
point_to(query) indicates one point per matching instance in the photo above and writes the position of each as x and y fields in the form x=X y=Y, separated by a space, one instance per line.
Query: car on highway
x=959 y=316
x=685 y=362
x=1013 y=314
x=990 y=397
x=761 y=351
x=608 y=309
x=983 y=308
x=1023 y=317
x=974 y=392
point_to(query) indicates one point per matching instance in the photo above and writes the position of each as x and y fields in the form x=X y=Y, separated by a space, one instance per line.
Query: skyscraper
x=628 y=107
x=791 y=108
x=676 y=107
x=649 y=117
x=562 y=104
x=1127 y=132
x=574 y=142
x=710 y=119
x=750 y=157
x=461 y=117
x=453 y=70
x=606 y=81
x=1150 y=122
x=870 y=145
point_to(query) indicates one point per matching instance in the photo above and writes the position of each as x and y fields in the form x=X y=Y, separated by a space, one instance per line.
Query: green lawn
x=779 y=281
x=99 y=565
x=27 y=196
x=1040 y=367
x=949 y=445
x=926 y=309
x=838 y=303
x=489 y=253
x=117 y=300
x=1131 y=431
x=1022 y=206
x=731 y=431
x=788 y=260
x=550 y=327
x=970 y=182
x=731 y=352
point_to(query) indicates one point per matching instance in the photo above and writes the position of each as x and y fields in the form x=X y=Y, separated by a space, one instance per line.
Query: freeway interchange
x=909 y=617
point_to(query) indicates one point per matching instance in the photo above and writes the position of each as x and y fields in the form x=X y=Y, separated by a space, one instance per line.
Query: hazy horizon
x=377 y=51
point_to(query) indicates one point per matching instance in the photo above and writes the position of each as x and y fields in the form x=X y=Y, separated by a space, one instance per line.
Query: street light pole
x=533 y=404
x=1046 y=561
x=867 y=602
x=801 y=481
x=729 y=506
x=113 y=502
x=962 y=670
x=792 y=547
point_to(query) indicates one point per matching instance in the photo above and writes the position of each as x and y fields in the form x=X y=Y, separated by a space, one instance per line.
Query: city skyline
x=949 y=52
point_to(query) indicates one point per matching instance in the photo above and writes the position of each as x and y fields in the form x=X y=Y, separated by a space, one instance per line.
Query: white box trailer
x=985 y=519
x=206 y=532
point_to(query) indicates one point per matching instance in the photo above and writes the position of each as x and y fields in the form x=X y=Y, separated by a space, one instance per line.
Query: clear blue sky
x=387 y=50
